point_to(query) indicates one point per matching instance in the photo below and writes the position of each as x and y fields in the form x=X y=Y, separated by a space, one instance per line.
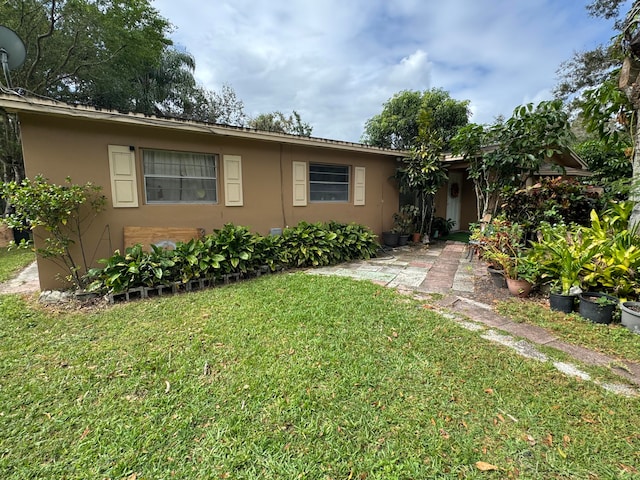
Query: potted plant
x=441 y=227
x=521 y=272
x=403 y=225
x=502 y=246
x=630 y=316
x=597 y=307
x=562 y=255
x=390 y=238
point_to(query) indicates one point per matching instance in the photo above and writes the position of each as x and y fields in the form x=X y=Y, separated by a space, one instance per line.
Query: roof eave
x=18 y=104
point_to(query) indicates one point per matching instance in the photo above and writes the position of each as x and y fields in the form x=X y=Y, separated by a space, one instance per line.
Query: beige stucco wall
x=60 y=147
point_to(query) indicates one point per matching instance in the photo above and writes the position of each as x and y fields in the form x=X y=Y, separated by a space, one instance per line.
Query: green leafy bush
x=552 y=200
x=64 y=212
x=563 y=252
x=604 y=256
x=234 y=249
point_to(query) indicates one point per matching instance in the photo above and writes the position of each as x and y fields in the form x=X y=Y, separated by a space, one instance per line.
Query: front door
x=453 y=198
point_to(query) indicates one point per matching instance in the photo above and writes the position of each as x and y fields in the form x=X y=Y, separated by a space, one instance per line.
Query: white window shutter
x=358 y=186
x=299 y=184
x=122 y=169
x=232 y=180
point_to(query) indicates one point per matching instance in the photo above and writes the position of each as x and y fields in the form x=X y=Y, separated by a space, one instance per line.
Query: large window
x=179 y=177
x=328 y=183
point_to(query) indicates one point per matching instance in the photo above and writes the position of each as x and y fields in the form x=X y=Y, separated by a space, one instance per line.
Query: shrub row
x=233 y=250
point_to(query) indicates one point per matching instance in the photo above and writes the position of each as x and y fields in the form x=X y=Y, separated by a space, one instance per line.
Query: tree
x=602 y=70
x=506 y=154
x=608 y=162
x=79 y=51
x=111 y=54
x=65 y=212
x=86 y=51
x=408 y=114
x=422 y=174
x=278 y=122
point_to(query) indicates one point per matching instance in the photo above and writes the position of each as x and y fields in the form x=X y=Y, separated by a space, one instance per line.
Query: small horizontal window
x=328 y=183
x=179 y=177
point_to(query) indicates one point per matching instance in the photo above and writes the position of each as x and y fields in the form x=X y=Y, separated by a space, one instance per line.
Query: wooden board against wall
x=161 y=236
x=6 y=235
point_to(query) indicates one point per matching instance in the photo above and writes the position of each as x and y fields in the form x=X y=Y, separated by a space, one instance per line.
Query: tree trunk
x=634 y=195
x=632 y=90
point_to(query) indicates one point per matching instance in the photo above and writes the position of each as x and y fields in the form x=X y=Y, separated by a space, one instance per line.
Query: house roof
x=22 y=104
x=569 y=162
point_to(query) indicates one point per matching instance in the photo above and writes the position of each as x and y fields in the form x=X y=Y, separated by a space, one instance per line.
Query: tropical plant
x=236 y=244
x=616 y=268
x=64 y=212
x=517 y=264
x=422 y=174
x=403 y=221
x=499 y=234
x=230 y=250
x=353 y=241
x=562 y=253
x=507 y=153
x=135 y=268
x=442 y=225
x=552 y=200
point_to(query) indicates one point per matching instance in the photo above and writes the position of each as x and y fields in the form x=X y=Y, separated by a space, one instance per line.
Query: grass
x=613 y=339
x=12 y=261
x=291 y=376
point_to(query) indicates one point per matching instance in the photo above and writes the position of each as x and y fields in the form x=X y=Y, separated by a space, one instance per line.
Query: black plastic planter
x=592 y=308
x=403 y=240
x=497 y=277
x=390 y=239
x=561 y=303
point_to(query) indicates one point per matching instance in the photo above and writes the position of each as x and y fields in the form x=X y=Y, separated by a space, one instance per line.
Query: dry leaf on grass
x=485 y=467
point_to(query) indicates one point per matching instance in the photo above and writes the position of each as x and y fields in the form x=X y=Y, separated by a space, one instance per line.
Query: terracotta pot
x=518 y=287
x=416 y=237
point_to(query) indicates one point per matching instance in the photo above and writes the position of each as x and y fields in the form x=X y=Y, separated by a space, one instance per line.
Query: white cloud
x=336 y=62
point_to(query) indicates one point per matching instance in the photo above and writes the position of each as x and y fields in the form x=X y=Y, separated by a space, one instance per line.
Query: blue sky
x=337 y=61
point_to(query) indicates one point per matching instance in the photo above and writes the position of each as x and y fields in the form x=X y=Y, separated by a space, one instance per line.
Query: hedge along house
x=458 y=201
x=171 y=178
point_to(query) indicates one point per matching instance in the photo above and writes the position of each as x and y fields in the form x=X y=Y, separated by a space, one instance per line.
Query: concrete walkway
x=26 y=281
x=444 y=268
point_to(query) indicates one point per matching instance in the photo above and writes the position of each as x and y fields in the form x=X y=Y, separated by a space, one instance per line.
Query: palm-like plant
x=563 y=254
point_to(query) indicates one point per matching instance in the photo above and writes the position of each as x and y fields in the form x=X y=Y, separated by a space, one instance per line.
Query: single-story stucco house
x=167 y=173
x=170 y=179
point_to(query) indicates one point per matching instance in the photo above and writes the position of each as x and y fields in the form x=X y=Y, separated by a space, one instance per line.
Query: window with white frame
x=328 y=183
x=179 y=177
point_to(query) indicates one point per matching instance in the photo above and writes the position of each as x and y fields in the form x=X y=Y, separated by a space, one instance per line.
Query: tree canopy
x=279 y=122
x=112 y=54
x=507 y=153
x=407 y=115
x=607 y=71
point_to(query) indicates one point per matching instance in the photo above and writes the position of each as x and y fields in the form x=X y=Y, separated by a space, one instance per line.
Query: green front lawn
x=291 y=376
x=12 y=261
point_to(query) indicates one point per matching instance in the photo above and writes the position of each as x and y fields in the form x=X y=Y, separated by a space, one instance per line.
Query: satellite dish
x=12 y=52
